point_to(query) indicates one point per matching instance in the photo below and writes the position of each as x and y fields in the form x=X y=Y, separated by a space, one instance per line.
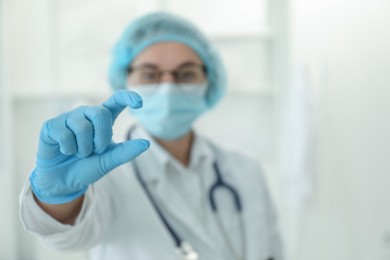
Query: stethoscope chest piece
x=186 y=252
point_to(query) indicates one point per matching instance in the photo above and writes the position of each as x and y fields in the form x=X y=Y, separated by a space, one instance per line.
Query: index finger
x=120 y=99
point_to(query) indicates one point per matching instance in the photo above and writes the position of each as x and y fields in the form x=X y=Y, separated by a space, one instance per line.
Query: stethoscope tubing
x=218 y=184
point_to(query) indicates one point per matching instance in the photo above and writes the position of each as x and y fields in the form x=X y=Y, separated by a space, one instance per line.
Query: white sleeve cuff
x=38 y=222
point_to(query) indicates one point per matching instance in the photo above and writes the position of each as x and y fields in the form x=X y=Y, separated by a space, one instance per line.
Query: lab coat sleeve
x=89 y=226
x=262 y=191
x=275 y=239
x=276 y=243
x=255 y=184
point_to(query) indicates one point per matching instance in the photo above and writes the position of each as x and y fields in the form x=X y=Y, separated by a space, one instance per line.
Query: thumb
x=122 y=153
x=90 y=170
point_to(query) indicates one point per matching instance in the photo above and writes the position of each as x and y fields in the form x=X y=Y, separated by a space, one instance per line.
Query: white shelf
x=18 y=97
x=102 y=95
x=265 y=34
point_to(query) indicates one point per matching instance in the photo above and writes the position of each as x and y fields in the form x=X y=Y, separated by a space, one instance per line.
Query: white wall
x=26 y=70
x=8 y=202
x=345 y=47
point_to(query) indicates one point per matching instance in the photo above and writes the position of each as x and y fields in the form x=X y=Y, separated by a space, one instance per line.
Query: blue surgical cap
x=163 y=27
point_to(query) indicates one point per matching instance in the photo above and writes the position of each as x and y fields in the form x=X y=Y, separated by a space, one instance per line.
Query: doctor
x=167 y=192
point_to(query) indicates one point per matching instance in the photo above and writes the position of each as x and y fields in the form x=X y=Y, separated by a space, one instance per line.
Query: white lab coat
x=118 y=222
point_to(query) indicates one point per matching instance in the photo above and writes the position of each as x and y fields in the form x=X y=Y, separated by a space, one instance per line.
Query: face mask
x=168 y=109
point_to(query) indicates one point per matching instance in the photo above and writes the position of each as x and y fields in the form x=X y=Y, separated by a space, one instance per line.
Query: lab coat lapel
x=250 y=213
x=149 y=227
x=158 y=159
x=187 y=220
x=254 y=215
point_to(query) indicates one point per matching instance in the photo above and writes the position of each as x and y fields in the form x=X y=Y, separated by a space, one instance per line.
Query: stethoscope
x=183 y=248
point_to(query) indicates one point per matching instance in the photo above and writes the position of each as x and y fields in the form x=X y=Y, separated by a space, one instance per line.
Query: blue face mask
x=168 y=109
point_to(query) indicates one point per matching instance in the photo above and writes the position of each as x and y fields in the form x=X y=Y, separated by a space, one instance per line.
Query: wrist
x=65 y=213
x=53 y=194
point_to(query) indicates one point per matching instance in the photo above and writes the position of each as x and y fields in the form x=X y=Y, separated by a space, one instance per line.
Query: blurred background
x=309 y=89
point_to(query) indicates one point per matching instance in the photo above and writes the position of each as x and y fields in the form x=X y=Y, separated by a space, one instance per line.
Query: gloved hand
x=76 y=149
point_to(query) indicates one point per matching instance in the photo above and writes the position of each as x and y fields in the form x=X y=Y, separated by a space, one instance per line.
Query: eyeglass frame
x=173 y=72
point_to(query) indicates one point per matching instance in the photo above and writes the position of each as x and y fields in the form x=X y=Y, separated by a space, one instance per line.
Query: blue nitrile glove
x=76 y=149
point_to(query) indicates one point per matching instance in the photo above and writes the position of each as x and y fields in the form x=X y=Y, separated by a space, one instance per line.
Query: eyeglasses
x=185 y=74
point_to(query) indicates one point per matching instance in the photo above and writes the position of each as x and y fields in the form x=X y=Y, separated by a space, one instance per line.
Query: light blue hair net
x=161 y=27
